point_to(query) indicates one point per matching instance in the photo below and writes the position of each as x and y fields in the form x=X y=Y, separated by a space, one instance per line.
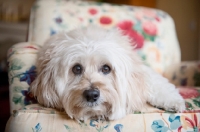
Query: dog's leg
x=161 y=93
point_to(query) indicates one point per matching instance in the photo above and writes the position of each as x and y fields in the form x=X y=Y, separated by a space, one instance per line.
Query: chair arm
x=184 y=74
x=21 y=72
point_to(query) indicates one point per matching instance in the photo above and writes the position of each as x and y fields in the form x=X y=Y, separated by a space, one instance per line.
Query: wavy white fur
x=127 y=88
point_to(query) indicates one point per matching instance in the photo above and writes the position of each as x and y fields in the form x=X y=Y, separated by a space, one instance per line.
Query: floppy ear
x=44 y=86
x=45 y=91
x=49 y=83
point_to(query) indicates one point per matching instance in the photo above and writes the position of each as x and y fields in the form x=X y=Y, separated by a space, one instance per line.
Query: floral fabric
x=151 y=122
x=21 y=71
x=37 y=118
x=184 y=74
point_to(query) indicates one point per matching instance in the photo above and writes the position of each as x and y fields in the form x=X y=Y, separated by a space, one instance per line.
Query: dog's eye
x=106 y=69
x=77 y=69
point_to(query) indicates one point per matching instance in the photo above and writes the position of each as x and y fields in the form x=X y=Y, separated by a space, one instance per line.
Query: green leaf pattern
x=18 y=98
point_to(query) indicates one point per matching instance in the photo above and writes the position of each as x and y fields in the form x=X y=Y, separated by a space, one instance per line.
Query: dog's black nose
x=91 y=95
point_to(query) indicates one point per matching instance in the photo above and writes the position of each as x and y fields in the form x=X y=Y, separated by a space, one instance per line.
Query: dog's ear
x=44 y=86
x=48 y=85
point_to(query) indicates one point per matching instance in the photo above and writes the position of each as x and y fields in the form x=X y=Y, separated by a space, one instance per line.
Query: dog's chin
x=88 y=110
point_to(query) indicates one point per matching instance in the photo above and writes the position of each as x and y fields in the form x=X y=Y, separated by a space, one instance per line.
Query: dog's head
x=89 y=72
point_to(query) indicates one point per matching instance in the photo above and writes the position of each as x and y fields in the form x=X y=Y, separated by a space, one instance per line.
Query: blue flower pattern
x=29 y=99
x=99 y=125
x=52 y=32
x=29 y=75
x=37 y=128
x=160 y=126
x=174 y=121
x=118 y=127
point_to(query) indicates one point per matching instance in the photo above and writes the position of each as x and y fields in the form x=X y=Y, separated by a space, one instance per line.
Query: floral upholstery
x=184 y=74
x=154 y=33
x=37 y=118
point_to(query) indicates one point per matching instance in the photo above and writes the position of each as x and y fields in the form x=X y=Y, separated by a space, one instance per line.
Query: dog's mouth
x=84 y=103
x=93 y=104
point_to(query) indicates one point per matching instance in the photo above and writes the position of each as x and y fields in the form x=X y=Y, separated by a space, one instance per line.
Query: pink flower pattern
x=150 y=28
x=105 y=20
x=188 y=93
x=31 y=47
x=136 y=38
x=92 y=11
x=147 y=13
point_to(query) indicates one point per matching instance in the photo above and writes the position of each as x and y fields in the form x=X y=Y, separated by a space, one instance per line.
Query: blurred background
x=14 y=19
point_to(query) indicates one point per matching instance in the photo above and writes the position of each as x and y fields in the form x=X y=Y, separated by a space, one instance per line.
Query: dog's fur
x=127 y=88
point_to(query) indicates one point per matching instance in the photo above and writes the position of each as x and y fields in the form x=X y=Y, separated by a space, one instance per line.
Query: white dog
x=93 y=72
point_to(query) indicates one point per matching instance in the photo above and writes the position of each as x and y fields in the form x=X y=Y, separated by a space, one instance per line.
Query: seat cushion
x=36 y=118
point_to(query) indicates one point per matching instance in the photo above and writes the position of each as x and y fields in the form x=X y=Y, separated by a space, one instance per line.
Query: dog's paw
x=175 y=105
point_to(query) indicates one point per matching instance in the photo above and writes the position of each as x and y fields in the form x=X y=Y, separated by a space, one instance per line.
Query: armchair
x=157 y=44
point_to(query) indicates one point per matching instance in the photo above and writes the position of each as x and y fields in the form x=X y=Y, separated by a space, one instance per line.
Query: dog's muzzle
x=91 y=95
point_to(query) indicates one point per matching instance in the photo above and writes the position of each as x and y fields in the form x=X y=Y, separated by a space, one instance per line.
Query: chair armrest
x=184 y=74
x=21 y=72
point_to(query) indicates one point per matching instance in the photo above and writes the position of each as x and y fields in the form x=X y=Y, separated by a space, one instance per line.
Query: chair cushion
x=37 y=118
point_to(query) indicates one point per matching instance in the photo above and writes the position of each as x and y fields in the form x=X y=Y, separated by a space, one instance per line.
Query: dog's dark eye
x=106 y=69
x=77 y=69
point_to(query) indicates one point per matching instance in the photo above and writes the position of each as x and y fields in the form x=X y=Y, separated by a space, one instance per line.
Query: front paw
x=176 y=104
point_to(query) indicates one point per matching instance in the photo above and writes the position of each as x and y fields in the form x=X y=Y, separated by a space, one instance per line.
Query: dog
x=94 y=73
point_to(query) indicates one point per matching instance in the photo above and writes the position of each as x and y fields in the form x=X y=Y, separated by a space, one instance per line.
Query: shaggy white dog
x=93 y=72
